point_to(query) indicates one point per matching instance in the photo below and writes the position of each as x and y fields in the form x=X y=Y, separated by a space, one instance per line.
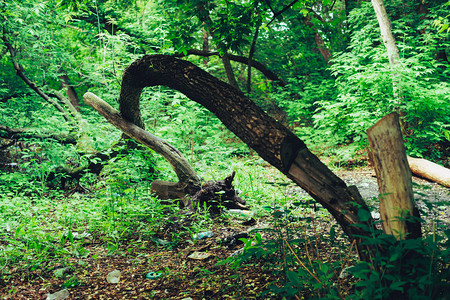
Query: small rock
x=232 y=241
x=160 y=241
x=241 y=212
x=59 y=273
x=79 y=236
x=61 y=295
x=113 y=276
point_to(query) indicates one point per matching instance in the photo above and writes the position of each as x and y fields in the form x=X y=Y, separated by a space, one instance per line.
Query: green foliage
x=411 y=269
x=364 y=81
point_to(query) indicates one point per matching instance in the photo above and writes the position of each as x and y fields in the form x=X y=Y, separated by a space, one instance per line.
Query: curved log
x=271 y=140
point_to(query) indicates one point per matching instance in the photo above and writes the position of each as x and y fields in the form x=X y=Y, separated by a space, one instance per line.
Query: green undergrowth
x=312 y=259
x=296 y=240
x=40 y=224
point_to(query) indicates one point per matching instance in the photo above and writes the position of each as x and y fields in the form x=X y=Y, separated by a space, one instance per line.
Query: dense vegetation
x=71 y=188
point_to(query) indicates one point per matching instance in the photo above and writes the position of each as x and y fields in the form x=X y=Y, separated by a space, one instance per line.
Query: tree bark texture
x=271 y=140
x=430 y=170
x=394 y=178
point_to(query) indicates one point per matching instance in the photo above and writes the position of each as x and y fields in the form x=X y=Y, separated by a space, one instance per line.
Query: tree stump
x=394 y=178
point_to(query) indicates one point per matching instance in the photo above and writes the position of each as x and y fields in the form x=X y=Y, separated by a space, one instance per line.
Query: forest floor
x=188 y=270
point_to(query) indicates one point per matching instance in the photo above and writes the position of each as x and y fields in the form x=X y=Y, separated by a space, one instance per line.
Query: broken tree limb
x=181 y=166
x=241 y=59
x=270 y=139
x=189 y=188
x=388 y=155
x=429 y=170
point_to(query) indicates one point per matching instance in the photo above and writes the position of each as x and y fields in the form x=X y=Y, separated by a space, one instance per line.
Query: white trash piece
x=113 y=276
x=60 y=295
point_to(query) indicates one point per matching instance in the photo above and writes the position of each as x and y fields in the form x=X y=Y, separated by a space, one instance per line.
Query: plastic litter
x=202 y=235
x=161 y=242
x=375 y=215
x=113 y=276
x=153 y=275
x=199 y=255
x=60 y=295
x=241 y=212
x=345 y=273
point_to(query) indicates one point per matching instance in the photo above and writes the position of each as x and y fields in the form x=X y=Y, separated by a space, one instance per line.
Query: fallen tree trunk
x=430 y=170
x=15 y=133
x=271 y=140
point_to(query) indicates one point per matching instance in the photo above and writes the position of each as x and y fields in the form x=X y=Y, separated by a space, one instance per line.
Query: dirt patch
x=431 y=198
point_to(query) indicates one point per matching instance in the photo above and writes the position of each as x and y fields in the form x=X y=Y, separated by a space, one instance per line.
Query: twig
x=300 y=262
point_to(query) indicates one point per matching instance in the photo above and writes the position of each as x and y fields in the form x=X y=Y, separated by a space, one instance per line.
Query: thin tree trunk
x=391 y=46
x=250 y=58
x=229 y=70
x=71 y=93
x=324 y=51
x=205 y=47
x=271 y=140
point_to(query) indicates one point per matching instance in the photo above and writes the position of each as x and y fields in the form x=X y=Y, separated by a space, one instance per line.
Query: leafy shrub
x=365 y=80
x=405 y=269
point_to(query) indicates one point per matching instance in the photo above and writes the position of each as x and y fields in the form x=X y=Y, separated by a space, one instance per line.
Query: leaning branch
x=180 y=165
x=32 y=85
x=241 y=59
x=270 y=139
